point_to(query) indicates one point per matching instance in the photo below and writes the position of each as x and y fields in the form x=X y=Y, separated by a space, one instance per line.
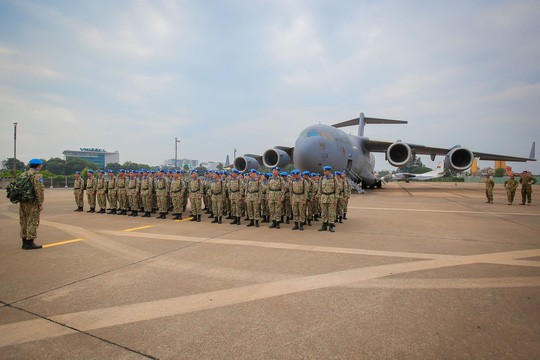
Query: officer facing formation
x=101 y=191
x=511 y=185
x=328 y=189
x=489 y=189
x=91 y=188
x=78 y=191
x=29 y=211
x=526 y=181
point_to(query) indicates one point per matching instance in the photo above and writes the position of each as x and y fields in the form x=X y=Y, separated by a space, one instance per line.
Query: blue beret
x=90 y=171
x=196 y=172
x=305 y=173
x=110 y=171
x=313 y=174
x=295 y=171
x=338 y=173
x=253 y=171
x=153 y=171
x=276 y=168
x=35 y=162
x=236 y=171
x=267 y=175
x=327 y=168
x=78 y=172
x=284 y=173
x=182 y=172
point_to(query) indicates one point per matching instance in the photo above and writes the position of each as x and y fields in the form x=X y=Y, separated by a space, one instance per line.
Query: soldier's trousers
x=79 y=200
x=195 y=201
x=253 y=209
x=287 y=209
x=510 y=194
x=91 y=196
x=328 y=212
x=133 y=201
x=29 y=220
x=113 y=199
x=274 y=207
x=264 y=207
x=102 y=200
x=217 y=204
x=162 y=202
x=526 y=194
x=489 y=194
x=345 y=205
x=340 y=208
x=236 y=204
x=299 y=210
x=122 y=200
x=146 y=198
x=177 y=202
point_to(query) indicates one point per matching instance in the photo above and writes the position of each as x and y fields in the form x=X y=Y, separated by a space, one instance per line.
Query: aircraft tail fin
x=532 y=155
x=362 y=121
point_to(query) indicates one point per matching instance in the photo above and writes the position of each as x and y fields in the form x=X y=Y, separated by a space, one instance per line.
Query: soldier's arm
x=38 y=188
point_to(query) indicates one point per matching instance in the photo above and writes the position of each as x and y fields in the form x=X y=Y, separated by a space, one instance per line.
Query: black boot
x=256 y=223
x=119 y=212
x=229 y=217
x=251 y=223
x=238 y=218
x=211 y=215
x=287 y=221
x=134 y=213
x=215 y=220
x=339 y=219
x=199 y=218
x=309 y=222
x=331 y=227
x=124 y=212
x=301 y=226
x=273 y=224
x=164 y=215
x=23 y=244
x=295 y=227
x=235 y=220
x=147 y=214
x=323 y=228
x=89 y=210
x=219 y=220
x=179 y=216
x=344 y=216
x=30 y=245
x=277 y=225
x=193 y=217
x=247 y=217
x=175 y=217
x=101 y=211
x=112 y=211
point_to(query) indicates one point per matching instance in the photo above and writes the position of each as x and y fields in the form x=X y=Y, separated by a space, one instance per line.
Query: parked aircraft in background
x=439 y=171
x=321 y=145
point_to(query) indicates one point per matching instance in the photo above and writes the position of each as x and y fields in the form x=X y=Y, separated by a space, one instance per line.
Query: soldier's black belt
x=233 y=191
x=295 y=193
x=253 y=192
x=332 y=193
x=274 y=190
x=176 y=191
x=213 y=193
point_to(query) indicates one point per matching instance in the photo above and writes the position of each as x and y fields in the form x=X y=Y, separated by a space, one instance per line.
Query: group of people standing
x=276 y=197
x=511 y=184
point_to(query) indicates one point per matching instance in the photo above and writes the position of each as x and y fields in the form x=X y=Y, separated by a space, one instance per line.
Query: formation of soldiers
x=276 y=198
x=526 y=180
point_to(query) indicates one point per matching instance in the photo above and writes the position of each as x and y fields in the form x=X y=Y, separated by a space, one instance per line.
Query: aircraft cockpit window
x=312 y=133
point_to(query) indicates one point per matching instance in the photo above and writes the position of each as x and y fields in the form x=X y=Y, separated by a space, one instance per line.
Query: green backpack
x=21 y=190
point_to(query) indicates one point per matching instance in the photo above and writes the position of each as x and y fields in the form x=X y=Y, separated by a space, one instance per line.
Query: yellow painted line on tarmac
x=186 y=219
x=62 y=243
x=139 y=228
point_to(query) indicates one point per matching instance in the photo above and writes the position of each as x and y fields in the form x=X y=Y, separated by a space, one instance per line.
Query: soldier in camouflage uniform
x=346 y=193
x=253 y=198
x=489 y=189
x=339 y=197
x=133 y=190
x=186 y=191
x=147 y=190
x=177 y=195
x=511 y=185
x=315 y=200
x=29 y=211
x=121 y=191
x=162 y=193
x=91 y=188
x=235 y=186
x=328 y=189
x=526 y=181
x=286 y=210
x=308 y=208
x=298 y=190
x=111 y=192
x=78 y=191
x=275 y=197
x=264 y=202
x=101 y=185
x=206 y=193
x=196 y=188
x=217 y=192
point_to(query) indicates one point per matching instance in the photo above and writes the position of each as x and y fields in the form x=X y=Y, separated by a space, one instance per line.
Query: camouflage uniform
x=328 y=190
x=298 y=190
x=217 y=192
x=133 y=190
x=526 y=181
x=511 y=185
x=206 y=193
x=253 y=200
x=489 y=190
x=162 y=193
x=287 y=209
x=121 y=190
x=91 y=188
x=147 y=190
x=236 y=191
x=101 y=192
x=276 y=195
x=339 y=199
x=111 y=193
x=29 y=211
x=195 y=197
x=347 y=189
x=177 y=196
x=264 y=201
x=78 y=191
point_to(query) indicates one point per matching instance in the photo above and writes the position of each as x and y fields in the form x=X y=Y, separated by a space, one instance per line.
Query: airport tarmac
x=418 y=271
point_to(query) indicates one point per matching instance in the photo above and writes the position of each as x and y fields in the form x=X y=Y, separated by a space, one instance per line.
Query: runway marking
x=186 y=219
x=139 y=228
x=445 y=283
x=62 y=243
x=17 y=333
x=443 y=211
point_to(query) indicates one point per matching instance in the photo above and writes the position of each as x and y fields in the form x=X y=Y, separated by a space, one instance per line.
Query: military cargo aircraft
x=439 y=171
x=320 y=145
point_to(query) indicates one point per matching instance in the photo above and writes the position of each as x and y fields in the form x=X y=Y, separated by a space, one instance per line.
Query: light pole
x=234 y=156
x=176 y=141
x=14 y=150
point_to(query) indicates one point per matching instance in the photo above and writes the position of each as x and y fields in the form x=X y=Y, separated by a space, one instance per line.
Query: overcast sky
x=133 y=75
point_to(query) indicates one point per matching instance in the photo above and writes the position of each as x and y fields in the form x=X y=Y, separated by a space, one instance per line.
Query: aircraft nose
x=307 y=153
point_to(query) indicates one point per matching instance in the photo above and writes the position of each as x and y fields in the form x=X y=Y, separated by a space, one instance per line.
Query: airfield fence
x=51 y=183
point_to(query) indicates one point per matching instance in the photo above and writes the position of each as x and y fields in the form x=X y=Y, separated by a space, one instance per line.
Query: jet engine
x=458 y=159
x=247 y=162
x=276 y=157
x=399 y=154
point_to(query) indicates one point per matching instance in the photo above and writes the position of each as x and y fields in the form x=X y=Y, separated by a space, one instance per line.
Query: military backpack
x=21 y=190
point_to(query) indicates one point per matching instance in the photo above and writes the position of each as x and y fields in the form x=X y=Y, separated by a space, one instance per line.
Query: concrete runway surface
x=419 y=271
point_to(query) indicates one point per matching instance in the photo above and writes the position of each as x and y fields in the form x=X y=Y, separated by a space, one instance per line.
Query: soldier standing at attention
x=253 y=198
x=195 y=195
x=216 y=192
x=339 y=197
x=162 y=193
x=287 y=209
x=489 y=189
x=177 y=195
x=101 y=186
x=91 y=188
x=511 y=185
x=328 y=189
x=29 y=211
x=264 y=203
x=121 y=190
x=346 y=193
x=78 y=191
x=147 y=189
x=111 y=192
x=276 y=195
x=526 y=181
x=236 y=191
x=133 y=193
x=299 y=193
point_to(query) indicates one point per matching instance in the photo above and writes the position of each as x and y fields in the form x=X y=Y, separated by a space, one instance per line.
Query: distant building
x=181 y=162
x=227 y=162
x=98 y=156
x=211 y=165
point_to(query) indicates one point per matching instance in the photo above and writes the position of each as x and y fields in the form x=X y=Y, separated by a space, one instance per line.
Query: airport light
x=14 y=150
x=176 y=141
